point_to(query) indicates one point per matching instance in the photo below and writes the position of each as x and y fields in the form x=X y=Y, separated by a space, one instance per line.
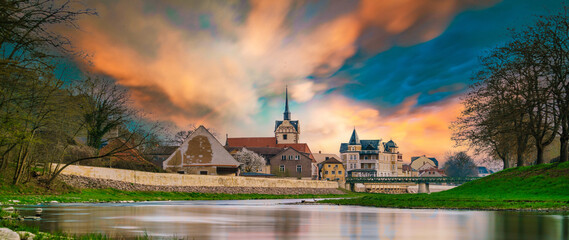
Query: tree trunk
x=539 y=149
x=563 y=154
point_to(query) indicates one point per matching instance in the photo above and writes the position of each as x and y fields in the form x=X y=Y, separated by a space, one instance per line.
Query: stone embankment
x=98 y=183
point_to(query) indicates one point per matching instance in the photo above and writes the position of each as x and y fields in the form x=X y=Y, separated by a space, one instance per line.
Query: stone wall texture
x=172 y=179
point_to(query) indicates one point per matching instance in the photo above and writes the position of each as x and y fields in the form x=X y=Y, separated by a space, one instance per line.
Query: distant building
x=123 y=155
x=431 y=172
x=384 y=157
x=158 y=154
x=332 y=169
x=202 y=154
x=408 y=171
x=483 y=171
x=291 y=163
x=287 y=133
x=417 y=162
x=321 y=157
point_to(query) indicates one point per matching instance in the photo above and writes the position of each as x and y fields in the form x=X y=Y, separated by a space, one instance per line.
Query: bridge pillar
x=423 y=188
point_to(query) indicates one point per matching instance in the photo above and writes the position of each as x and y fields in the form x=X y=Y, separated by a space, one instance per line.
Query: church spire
x=286 y=112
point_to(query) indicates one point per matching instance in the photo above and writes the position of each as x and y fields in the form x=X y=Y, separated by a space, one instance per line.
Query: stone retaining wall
x=97 y=183
x=183 y=180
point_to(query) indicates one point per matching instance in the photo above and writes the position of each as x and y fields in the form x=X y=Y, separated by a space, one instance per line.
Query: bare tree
x=105 y=107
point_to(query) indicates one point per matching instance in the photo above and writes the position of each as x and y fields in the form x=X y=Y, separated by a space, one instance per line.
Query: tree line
x=519 y=102
x=46 y=123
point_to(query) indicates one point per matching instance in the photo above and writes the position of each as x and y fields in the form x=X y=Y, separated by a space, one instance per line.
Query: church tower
x=287 y=131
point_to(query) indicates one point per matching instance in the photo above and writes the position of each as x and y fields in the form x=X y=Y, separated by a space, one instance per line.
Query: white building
x=384 y=157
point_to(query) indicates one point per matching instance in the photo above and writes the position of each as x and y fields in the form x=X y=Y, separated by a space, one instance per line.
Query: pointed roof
x=354 y=140
x=286 y=112
x=201 y=148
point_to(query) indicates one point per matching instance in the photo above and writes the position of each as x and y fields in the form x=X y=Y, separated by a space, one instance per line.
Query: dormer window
x=285 y=136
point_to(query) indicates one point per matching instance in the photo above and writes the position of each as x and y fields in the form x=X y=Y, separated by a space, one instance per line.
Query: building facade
x=291 y=163
x=202 y=154
x=384 y=157
x=333 y=170
x=418 y=162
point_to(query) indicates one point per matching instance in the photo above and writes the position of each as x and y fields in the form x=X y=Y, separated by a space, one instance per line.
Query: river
x=279 y=219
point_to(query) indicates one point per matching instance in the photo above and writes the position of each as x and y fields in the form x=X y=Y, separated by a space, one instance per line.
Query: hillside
x=542 y=187
x=547 y=181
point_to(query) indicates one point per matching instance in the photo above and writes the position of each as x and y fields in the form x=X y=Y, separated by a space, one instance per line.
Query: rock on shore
x=96 y=183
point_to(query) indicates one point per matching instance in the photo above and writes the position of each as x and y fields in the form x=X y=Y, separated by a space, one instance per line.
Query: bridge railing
x=457 y=180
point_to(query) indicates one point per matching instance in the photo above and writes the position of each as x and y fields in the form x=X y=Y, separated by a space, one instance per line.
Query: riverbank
x=81 y=189
x=534 y=188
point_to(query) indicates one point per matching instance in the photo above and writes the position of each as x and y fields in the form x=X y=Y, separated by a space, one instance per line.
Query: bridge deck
x=457 y=180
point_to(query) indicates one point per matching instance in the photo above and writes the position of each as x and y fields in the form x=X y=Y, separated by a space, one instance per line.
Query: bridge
x=422 y=181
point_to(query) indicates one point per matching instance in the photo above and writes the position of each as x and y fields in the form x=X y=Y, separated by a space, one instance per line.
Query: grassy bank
x=111 y=195
x=542 y=187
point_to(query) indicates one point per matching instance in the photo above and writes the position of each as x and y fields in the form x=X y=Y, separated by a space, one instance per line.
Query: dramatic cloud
x=225 y=64
x=417 y=131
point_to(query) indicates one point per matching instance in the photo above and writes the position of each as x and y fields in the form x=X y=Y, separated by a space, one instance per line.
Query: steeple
x=354 y=140
x=286 y=112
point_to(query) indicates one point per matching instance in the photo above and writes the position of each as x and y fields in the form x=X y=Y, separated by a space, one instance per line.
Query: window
x=285 y=136
x=283 y=157
x=365 y=157
x=297 y=157
x=281 y=168
x=203 y=172
x=353 y=148
x=289 y=157
x=333 y=172
x=298 y=168
x=328 y=165
x=339 y=172
x=325 y=172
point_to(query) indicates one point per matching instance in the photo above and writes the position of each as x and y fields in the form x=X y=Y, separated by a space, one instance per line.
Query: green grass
x=112 y=195
x=542 y=187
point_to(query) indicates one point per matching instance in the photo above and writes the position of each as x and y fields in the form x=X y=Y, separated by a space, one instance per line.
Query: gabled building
x=333 y=170
x=291 y=163
x=321 y=157
x=384 y=157
x=202 y=154
x=417 y=162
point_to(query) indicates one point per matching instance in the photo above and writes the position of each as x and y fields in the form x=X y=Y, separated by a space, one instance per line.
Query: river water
x=279 y=219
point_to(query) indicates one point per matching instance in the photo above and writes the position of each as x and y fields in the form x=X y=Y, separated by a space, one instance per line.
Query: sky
x=391 y=69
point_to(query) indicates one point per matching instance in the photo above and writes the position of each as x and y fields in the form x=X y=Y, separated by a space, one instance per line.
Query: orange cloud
x=194 y=76
x=417 y=130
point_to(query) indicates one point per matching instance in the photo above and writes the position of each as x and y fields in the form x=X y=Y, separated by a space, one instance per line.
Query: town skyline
x=348 y=65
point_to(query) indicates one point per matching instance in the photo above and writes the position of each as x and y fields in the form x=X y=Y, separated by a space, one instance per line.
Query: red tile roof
x=252 y=142
x=267 y=142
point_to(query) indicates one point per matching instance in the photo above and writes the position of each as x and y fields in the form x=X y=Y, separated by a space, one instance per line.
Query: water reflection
x=268 y=219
